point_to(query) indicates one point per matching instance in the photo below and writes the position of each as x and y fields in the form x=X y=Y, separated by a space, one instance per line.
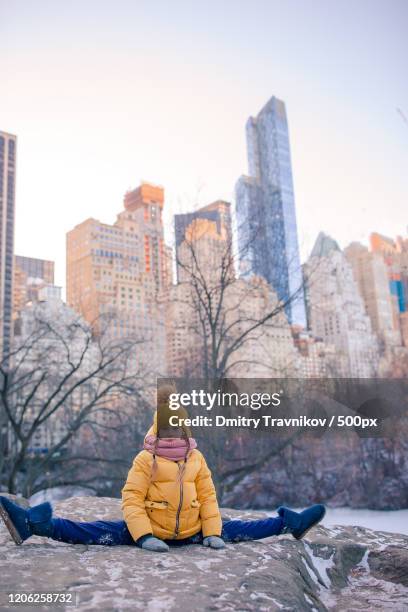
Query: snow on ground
x=320 y=564
x=56 y=494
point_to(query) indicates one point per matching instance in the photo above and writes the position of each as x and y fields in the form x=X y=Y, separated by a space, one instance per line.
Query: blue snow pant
x=116 y=533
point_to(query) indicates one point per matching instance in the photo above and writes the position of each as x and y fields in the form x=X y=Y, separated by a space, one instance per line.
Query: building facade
x=117 y=273
x=202 y=245
x=30 y=276
x=395 y=256
x=8 y=144
x=265 y=208
x=49 y=309
x=371 y=276
x=210 y=310
x=317 y=359
x=336 y=311
x=218 y=212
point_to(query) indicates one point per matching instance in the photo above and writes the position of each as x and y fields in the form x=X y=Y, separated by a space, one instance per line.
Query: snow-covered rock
x=341 y=568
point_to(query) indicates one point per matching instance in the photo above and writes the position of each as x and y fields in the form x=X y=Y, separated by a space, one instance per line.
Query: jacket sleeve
x=211 y=523
x=133 y=497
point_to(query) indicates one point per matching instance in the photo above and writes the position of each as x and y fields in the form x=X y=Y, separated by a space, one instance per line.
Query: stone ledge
x=342 y=568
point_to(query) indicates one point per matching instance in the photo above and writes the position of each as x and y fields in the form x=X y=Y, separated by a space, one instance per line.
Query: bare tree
x=224 y=317
x=229 y=324
x=223 y=312
x=64 y=385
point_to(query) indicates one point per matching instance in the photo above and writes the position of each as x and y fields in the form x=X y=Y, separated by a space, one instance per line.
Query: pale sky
x=103 y=94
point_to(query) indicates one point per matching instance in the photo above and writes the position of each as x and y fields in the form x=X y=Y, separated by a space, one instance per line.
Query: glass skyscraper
x=265 y=207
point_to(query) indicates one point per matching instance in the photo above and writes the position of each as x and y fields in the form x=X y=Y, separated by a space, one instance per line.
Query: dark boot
x=299 y=523
x=23 y=523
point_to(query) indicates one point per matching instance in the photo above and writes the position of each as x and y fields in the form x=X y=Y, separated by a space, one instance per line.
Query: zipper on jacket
x=176 y=531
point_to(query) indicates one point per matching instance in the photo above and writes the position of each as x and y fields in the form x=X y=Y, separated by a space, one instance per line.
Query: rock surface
x=342 y=568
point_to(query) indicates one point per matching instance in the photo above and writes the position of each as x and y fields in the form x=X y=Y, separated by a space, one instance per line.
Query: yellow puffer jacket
x=167 y=507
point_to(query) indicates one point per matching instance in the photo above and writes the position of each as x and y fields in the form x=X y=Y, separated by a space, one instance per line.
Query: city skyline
x=87 y=132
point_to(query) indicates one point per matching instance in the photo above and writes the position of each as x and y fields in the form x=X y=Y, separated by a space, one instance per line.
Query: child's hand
x=214 y=542
x=154 y=544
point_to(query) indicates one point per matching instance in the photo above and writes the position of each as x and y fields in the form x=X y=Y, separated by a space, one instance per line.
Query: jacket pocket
x=157 y=505
x=158 y=512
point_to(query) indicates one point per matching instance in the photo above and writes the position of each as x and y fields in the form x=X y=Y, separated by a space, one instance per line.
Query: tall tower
x=370 y=274
x=395 y=256
x=117 y=273
x=337 y=313
x=7 y=213
x=265 y=207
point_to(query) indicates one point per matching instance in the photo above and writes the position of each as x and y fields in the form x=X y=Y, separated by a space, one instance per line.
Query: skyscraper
x=201 y=241
x=337 y=313
x=370 y=274
x=395 y=256
x=207 y=285
x=265 y=207
x=7 y=205
x=116 y=273
x=30 y=276
x=218 y=218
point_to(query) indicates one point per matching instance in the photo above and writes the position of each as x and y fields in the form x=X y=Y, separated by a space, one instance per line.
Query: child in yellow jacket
x=168 y=498
x=169 y=492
